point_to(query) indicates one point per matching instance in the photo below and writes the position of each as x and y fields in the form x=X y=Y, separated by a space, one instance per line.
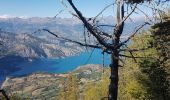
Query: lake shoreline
x=59 y=66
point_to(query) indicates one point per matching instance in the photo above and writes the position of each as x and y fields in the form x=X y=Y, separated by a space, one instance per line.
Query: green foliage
x=155 y=83
x=135 y=90
x=92 y=92
x=158 y=70
x=148 y=79
x=98 y=90
x=161 y=34
x=69 y=89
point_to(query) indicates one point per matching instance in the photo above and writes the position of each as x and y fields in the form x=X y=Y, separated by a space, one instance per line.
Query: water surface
x=63 y=65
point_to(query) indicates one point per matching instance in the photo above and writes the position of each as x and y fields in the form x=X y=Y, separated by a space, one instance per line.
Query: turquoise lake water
x=63 y=65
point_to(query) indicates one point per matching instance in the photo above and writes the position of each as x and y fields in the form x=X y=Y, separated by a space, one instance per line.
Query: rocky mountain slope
x=28 y=46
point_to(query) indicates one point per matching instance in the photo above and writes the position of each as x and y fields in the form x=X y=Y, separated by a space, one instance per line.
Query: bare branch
x=144 y=13
x=89 y=56
x=102 y=12
x=89 y=27
x=84 y=33
x=133 y=34
x=153 y=8
x=69 y=40
x=127 y=56
x=121 y=60
x=127 y=16
x=132 y=55
x=62 y=2
x=134 y=50
x=103 y=25
x=58 y=13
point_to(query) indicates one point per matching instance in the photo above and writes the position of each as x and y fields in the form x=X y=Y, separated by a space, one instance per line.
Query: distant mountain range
x=71 y=28
x=18 y=34
x=65 y=26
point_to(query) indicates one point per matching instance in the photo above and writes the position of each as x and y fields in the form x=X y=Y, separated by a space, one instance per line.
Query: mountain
x=28 y=46
x=65 y=27
x=68 y=27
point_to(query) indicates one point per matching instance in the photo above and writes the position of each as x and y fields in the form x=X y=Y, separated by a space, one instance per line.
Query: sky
x=49 y=8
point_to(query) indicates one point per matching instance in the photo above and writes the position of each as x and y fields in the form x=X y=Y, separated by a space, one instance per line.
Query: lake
x=63 y=65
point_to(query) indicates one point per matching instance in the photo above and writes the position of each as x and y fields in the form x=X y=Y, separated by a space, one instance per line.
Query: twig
x=82 y=44
x=133 y=50
x=102 y=12
x=127 y=16
x=90 y=28
x=133 y=34
x=132 y=57
x=144 y=13
x=106 y=25
x=62 y=2
x=58 y=13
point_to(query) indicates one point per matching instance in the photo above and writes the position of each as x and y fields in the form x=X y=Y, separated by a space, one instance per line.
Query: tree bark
x=113 y=87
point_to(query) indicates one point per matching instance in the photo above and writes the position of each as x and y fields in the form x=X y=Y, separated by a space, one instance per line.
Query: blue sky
x=48 y=8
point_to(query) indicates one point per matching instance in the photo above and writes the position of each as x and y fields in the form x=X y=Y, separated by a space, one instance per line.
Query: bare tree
x=115 y=47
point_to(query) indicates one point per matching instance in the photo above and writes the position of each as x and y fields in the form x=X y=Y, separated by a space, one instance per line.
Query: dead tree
x=115 y=47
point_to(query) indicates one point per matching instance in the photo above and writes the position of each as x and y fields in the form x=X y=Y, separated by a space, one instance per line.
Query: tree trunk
x=113 y=87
